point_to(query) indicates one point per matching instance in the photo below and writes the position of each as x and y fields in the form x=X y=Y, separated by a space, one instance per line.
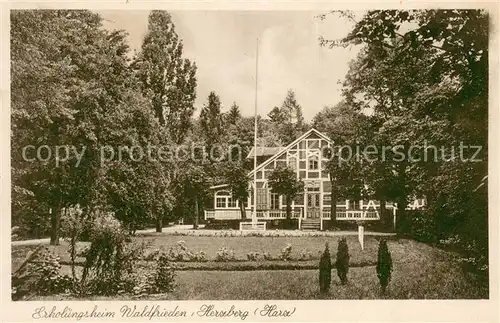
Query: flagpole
x=254 y=215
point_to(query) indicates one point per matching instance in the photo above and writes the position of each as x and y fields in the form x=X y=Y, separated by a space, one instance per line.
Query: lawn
x=420 y=271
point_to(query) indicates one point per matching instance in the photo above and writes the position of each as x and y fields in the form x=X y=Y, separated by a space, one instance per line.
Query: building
x=307 y=156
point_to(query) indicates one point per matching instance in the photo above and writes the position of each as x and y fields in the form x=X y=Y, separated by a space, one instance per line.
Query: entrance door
x=313 y=210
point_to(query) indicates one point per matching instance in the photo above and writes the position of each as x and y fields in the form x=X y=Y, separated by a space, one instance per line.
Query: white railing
x=353 y=215
x=223 y=214
x=235 y=214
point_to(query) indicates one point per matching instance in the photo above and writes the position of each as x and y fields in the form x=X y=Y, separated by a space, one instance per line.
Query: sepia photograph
x=247 y=155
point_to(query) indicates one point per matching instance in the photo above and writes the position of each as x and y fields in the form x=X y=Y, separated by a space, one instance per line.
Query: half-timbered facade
x=308 y=156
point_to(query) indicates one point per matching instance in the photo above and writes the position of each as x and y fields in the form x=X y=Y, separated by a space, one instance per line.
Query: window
x=224 y=200
x=231 y=202
x=275 y=201
x=313 y=164
x=220 y=202
x=327 y=199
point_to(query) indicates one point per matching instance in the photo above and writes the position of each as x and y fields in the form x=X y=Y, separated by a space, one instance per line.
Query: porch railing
x=353 y=215
x=235 y=214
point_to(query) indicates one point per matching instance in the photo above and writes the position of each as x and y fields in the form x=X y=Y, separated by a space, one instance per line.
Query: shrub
x=286 y=252
x=384 y=264
x=253 y=256
x=342 y=262
x=109 y=257
x=267 y=256
x=41 y=276
x=224 y=254
x=72 y=225
x=164 y=275
x=180 y=252
x=306 y=255
x=325 y=271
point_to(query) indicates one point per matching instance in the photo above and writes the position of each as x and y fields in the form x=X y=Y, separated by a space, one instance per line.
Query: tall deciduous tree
x=167 y=78
x=424 y=73
x=71 y=87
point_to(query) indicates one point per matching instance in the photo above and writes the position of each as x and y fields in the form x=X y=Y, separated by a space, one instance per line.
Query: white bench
x=258 y=226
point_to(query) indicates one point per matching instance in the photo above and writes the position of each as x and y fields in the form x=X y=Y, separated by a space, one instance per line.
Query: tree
x=237 y=177
x=342 y=262
x=193 y=183
x=384 y=264
x=283 y=181
x=167 y=78
x=426 y=84
x=71 y=86
x=287 y=119
x=211 y=120
x=234 y=115
x=325 y=271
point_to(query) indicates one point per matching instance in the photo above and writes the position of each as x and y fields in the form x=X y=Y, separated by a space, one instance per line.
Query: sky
x=224 y=43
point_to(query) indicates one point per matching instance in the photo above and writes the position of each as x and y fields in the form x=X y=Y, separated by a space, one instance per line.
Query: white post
x=254 y=215
x=361 y=236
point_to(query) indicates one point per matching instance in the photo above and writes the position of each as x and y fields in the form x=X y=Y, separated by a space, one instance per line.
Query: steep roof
x=276 y=155
x=264 y=151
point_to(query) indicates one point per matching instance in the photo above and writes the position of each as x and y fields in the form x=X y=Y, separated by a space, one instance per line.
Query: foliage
x=72 y=226
x=283 y=181
x=167 y=78
x=224 y=254
x=423 y=75
x=211 y=120
x=180 y=252
x=191 y=186
x=164 y=276
x=233 y=115
x=41 y=276
x=384 y=264
x=237 y=178
x=288 y=119
x=286 y=252
x=253 y=256
x=325 y=271
x=342 y=261
x=72 y=86
x=109 y=258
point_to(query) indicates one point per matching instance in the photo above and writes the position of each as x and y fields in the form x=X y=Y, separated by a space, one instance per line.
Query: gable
x=304 y=147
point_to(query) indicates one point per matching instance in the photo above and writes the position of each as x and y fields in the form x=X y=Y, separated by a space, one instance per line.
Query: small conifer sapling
x=342 y=262
x=325 y=271
x=384 y=265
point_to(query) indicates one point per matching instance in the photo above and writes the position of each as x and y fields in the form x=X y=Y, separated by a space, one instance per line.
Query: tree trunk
x=242 y=209
x=384 y=216
x=195 y=224
x=159 y=223
x=401 y=220
x=333 y=204
x=288 y=208
x=55 y=218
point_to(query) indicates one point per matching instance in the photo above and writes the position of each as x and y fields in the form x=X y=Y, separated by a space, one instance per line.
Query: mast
x=254 y=214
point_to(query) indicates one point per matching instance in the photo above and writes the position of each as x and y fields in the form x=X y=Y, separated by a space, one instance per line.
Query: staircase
x=311 y=225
